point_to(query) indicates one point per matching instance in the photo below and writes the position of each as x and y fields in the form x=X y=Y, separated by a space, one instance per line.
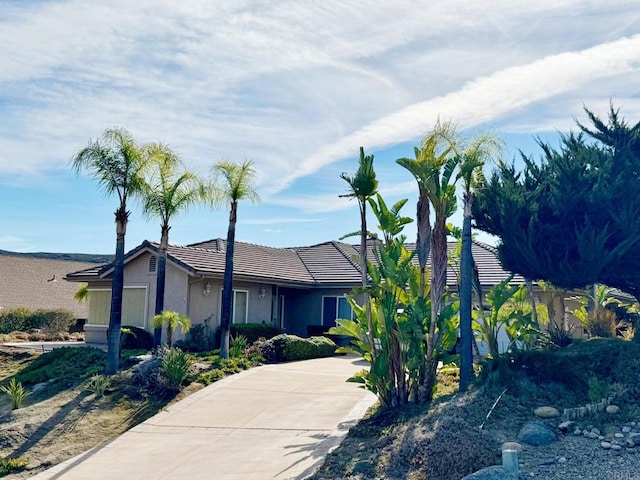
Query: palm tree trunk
x=117 y=287
x=227 y=285
x=365 y=279
x=423 y=242
x=161 y=275
x=466 y=332
x=438 y=285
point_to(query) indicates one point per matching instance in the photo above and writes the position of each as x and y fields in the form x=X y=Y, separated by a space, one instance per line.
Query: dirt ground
x=60 y=421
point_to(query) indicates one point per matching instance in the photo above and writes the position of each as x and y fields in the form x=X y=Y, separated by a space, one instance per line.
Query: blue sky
x=296 y=86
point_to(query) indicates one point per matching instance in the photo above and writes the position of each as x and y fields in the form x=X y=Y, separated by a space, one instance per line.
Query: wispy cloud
x=281 y=220
x=486 y=99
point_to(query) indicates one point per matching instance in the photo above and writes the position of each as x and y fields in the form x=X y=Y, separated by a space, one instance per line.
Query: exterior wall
x=304 y=307
x=210 y=306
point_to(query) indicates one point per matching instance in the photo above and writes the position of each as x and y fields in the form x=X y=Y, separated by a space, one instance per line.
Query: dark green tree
x=574 y=217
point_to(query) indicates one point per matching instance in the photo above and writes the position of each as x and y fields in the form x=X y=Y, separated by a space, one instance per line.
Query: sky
x=295 y=86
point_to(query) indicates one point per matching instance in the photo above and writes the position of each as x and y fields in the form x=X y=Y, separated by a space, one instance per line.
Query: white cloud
x=486 y=99
x=280 y=220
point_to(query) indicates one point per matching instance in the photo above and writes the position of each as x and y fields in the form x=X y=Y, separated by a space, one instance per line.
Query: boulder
x=496 y=472
x=536 y=434
x=546 y=412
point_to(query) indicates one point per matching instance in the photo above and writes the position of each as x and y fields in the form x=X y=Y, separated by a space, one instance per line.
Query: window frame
x=337 y=305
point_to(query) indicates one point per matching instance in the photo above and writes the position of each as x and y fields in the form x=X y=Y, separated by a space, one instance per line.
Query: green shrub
x=138 y=338
x=14 y=319
x=16 y=392
x=52 y=321
x=174 y=367
x=237 y=346
x=252 y=331
x=97 y=385
x=11 y=465
x=64 y=363
x=210 y=376
x=287 y=348
x=198 y=339
x=570 y=369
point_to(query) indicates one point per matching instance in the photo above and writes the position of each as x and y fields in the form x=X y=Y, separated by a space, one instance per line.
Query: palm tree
x=235 y=183
x=483 y=147
x=363 y=186
x=433 y=169
x=169 y=190
x=172 y=320
x=118 y=164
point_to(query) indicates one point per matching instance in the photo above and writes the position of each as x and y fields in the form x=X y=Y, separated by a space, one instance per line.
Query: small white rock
x=612 y=409
x=605 y=445
x=562 y=460
x=616 y=447
x=619 y=435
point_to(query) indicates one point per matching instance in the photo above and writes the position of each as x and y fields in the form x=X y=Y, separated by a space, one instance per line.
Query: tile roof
x=329 y=263
x=38 y=283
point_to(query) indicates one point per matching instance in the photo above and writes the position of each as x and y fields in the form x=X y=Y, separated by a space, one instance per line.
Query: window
x=153 y=262
x=239 y=306
x=134 y=306
x=334 y=308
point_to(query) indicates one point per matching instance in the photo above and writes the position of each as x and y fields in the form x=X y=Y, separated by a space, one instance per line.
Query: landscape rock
x=536 y=434
x=605 y=445
x=495 y=472
x=546 y=412
x=565 y=426
x=613 y=409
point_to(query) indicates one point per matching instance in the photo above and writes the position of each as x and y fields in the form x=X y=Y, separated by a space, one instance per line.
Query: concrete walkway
x=270 y=422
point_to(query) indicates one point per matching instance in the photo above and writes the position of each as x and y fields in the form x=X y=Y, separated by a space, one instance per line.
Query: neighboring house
x=37 y=283
x=292 y=288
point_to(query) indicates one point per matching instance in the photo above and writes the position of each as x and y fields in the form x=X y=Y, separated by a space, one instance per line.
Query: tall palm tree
x=235 y=182
x=363 y=186
x=433 y=169
x=472 y=158
x=169 y=190
x=118 y=163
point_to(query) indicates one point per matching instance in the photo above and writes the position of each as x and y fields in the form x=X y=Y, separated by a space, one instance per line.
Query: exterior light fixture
x=207 y=289
x=263 y=292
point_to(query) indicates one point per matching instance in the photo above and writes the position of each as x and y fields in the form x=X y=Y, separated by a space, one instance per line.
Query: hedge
x=24 y=319
x=252 y=331
x=288 y=348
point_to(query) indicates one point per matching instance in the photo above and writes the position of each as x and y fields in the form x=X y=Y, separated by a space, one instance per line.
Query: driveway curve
x=270 y=422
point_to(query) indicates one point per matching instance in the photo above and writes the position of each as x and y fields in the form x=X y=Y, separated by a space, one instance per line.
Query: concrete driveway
x=271 y=422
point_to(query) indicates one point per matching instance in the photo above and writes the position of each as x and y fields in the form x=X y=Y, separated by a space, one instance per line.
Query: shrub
x=286 y=348
x=16 y=392
x=52 y=321
x=198 y=339
x=139 y=338
x=97 y=385
x=210 y=376
x=237 y=346
x=14 y=319
x=252 y=331
x=174 y=367
x=11 y=465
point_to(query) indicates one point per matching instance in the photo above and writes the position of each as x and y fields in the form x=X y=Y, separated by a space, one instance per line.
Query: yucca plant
x=16 y=392
x=174 y=366
x=97 y=385
x=237 y=346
